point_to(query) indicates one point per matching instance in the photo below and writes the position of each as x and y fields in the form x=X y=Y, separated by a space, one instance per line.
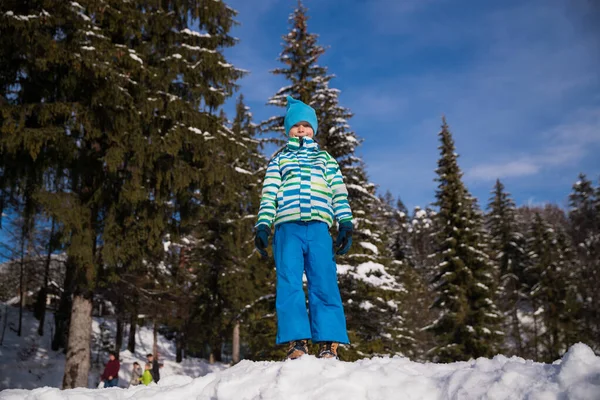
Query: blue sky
x=518 y=81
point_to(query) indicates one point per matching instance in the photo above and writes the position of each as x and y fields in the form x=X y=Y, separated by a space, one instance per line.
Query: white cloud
x=510 y=169
x=564 y=145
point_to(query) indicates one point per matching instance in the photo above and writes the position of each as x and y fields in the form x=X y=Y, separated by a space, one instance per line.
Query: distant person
x=110 y=376
x=304 y=195
x=155 y=366
x=136 y=374
x=147 y=375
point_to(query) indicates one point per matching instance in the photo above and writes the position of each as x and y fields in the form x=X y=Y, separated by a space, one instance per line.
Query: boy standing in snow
x=110 y=376
x=303 y=194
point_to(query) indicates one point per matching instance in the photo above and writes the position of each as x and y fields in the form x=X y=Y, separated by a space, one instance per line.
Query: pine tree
x=508 y=251
x=414 y=301
x=226 y=263
x=120 y=95
x=258 y=277
x=584 y=218
x=484 y=316
x=465 y=326
x=300 y=55
x=550 y=288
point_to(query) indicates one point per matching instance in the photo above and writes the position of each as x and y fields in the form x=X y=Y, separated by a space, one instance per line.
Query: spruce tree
x=508 y=251
x=413 y=304
x=299 y=56
x=226 y=261
x=465 y=326
x=550 y=288
x=121 y=95
x=584 y=218
x=484 y=316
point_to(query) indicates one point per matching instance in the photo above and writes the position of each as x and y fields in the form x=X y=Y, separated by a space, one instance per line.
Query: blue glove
x=261 y=240
x=344 y=238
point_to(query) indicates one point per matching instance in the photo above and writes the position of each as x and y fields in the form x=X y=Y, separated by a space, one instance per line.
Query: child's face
x=302 y=129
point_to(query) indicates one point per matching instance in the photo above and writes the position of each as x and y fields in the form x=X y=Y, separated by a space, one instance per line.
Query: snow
x=193 y=33
x=28 y=362
x=94 y=34
x=574 y=377
x=371 y=273
x=20 y=17
x=243 y=171
x=197 y=48
x=136 y=58
x=358 y=188
x=369 y=246
x=198 y=131
x=366 y=305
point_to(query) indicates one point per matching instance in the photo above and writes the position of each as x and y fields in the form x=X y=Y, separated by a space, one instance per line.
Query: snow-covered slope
x=27 y=362
x=576 y=376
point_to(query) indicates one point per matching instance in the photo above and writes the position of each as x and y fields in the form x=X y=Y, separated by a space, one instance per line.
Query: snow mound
x=576 y=376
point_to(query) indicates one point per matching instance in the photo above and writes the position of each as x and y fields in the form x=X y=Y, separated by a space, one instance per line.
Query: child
x=147 y=375
x=155 y=371
x=110 y=376
x=136 y=374
x=303 y=192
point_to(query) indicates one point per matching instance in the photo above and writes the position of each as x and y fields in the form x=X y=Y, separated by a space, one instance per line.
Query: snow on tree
x=466 y=325
x=508 y=252
x=119 y=95
x=550 y=286
x=584 y=218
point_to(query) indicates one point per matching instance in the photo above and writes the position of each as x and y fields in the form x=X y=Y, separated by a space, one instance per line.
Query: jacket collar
x=308 y=144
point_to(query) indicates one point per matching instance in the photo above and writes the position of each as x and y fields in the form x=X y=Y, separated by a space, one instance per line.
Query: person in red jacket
x=110 y=376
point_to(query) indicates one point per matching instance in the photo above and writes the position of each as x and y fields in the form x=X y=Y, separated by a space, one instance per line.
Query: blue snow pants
x=307 y=247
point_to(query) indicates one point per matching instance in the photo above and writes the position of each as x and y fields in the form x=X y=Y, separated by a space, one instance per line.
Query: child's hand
x=344 y=238
x=261 y=240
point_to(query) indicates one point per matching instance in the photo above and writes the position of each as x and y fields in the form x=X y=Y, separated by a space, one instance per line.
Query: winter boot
x=328 y=350
x=297 y=349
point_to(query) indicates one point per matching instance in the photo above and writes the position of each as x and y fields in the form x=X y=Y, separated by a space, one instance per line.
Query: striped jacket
x=303 y=184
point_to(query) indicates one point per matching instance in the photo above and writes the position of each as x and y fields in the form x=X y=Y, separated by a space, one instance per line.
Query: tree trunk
x=62 y=316
x=178 y=346
x=21 y=285
x=235 y=352
x=215 y=350
x=155 y=340
x=535 y=334
x=119 y=338
x=77 y=363
x=44 y=295
x=132 y=329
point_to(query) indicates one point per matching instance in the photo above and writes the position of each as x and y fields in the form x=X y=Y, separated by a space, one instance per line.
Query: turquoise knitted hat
x=296 y=112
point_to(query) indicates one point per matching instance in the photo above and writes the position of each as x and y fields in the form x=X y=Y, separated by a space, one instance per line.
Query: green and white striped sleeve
x=341 y=206
x=268 y=200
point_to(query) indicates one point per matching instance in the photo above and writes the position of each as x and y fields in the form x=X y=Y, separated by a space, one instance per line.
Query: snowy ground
x=26 y=363
x=576 y=376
